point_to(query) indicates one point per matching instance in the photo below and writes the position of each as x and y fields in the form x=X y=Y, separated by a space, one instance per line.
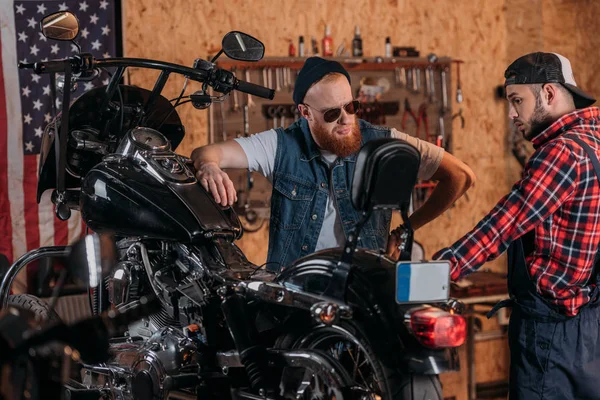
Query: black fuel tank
x=118 y=196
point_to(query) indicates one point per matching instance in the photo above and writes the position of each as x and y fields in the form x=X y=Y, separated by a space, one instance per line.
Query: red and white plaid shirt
x=558 y=198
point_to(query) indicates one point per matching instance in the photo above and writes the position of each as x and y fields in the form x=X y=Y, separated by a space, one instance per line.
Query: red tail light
x=435 y=328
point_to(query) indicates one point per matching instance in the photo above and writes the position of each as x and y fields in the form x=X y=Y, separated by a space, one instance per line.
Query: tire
x=34 y=305
x=376 y=378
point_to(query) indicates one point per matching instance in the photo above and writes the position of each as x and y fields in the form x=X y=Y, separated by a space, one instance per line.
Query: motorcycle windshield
x=85 y=113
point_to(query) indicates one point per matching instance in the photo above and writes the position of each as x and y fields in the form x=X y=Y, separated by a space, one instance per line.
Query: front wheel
x=349 y=346
x=35 y=305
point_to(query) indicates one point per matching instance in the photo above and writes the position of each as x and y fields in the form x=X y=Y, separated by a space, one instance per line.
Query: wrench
x=459 y=95
x=430 y=79
x=277 y=79
x=409 y=79
x=444 y=90
x=250 y=101
x=222 y=112
x=235 y=107
x=269 y=79
x=441 y=139
x=417 y=80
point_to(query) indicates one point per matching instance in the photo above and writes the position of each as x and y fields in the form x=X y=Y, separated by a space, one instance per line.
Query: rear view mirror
x=242 y=47
x=385 y=175
x=61 y=25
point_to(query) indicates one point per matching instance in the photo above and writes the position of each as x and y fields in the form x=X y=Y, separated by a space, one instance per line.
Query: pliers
x=420 y=118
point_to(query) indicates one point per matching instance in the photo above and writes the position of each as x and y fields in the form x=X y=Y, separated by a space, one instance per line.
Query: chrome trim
x=17 y=266
x=279 y=294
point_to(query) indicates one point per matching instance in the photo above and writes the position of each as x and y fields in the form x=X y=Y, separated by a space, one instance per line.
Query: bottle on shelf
x=357 y=43
x=327 y=42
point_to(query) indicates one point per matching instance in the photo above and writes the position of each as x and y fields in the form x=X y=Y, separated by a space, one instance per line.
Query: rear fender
x=370 y=292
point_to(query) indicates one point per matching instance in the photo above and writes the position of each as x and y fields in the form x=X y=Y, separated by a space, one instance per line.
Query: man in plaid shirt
x=550 y=225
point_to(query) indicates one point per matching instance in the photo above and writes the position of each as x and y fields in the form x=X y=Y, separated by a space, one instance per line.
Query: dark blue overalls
x=552 y=356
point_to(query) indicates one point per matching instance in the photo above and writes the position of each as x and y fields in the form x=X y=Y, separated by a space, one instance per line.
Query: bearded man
x=311 y=164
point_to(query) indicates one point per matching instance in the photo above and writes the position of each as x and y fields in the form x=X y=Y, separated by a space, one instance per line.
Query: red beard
x=342 y=146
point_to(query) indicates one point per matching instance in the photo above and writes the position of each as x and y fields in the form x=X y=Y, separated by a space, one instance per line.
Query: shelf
x=351 y=64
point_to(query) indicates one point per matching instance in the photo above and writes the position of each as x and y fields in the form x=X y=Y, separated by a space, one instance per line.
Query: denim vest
x=301 y=182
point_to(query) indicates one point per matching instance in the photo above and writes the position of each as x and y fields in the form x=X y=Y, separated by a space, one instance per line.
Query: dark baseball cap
x=546 y=68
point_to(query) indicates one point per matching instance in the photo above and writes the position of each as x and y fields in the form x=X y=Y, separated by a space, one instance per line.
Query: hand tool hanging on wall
x=409 y=79
x=250 y=101
x=417 y=80
x=272 y=112
x=277 y=79
x=280 y=112
x=269 y=79
x=236 y=106
x=459 y=115
x=440 y=140
x=459 y=95
x=408 y=112
x=422 y=120
x=223 y=130
x=443 y=77
x=429 y=78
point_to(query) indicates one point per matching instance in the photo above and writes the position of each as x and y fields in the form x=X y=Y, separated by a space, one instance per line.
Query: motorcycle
x=338 y=324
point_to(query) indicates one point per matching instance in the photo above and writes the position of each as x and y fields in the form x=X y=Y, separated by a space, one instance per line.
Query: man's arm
x=549 y=179
x=255 y=152
x=209 y=161
x=454 y=179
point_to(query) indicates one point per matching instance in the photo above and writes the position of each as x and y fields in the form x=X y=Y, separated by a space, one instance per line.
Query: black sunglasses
x=333 y=114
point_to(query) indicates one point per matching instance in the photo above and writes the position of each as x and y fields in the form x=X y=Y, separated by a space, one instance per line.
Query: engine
x=160 y=353
x=147 y=369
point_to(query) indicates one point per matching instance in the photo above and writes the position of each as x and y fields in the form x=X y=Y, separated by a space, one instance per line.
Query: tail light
x=435 y=328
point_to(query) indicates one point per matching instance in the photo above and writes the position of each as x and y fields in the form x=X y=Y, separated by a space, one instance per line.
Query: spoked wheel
x=306 y=384
x=357 y=360
x=371 y=379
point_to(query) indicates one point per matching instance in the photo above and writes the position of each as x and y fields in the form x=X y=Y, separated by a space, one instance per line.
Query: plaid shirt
x=558 y=198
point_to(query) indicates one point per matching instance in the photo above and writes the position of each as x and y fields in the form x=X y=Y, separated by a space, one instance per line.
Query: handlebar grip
x=255 y=90
x=47 y=67
x=26 y=65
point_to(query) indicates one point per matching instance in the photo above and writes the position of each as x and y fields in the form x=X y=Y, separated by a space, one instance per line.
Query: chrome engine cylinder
x=148 y=369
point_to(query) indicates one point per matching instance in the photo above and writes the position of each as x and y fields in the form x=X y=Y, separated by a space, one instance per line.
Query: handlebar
x=255 y=90
x=85 y=62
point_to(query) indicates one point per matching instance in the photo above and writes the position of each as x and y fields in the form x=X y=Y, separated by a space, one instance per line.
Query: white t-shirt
x=261 y=149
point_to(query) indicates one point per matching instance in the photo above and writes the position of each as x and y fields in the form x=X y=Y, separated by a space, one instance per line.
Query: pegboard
x=384 y=86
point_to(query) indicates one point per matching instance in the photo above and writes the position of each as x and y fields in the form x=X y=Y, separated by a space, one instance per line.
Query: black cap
x=312 y=71
x=546 y=68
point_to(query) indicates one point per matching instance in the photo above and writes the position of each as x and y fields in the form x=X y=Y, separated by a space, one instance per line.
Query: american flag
x=26 y=107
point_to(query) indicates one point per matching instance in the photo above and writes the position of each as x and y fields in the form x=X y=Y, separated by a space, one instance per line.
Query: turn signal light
x=435 y=328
